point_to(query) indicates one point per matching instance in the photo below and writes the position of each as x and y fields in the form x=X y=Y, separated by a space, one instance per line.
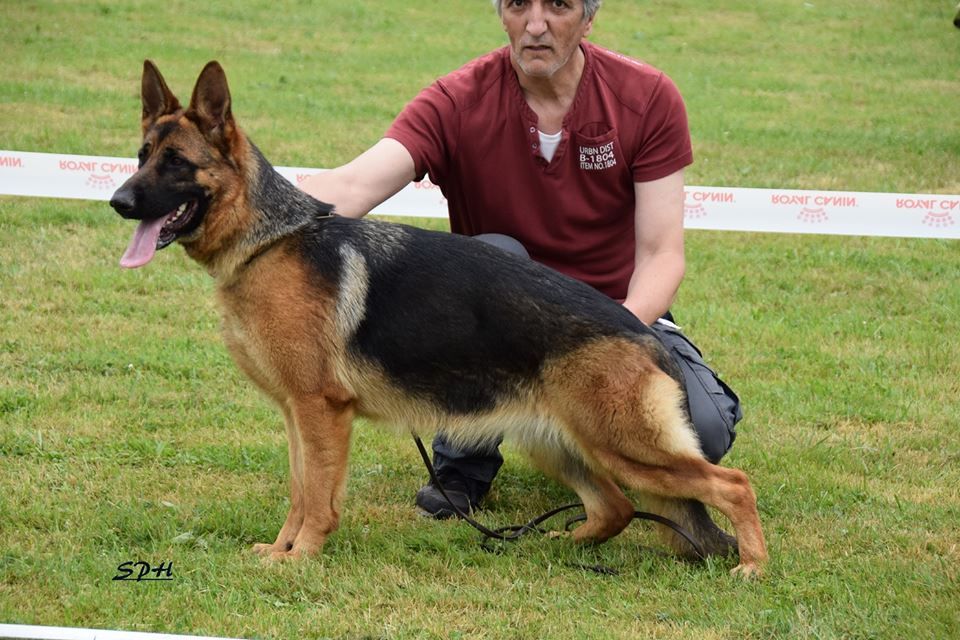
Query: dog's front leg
x=291 y=526
x=321 y=428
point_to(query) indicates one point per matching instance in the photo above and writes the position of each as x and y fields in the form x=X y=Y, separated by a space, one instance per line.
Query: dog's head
x=186 y=164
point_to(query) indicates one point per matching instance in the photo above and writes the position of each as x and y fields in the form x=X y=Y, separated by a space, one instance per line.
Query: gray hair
x=589 y=7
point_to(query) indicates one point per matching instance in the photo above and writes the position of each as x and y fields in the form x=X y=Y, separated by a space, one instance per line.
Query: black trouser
x=714 y=407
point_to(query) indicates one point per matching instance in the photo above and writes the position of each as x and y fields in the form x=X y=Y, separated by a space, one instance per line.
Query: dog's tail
x=692 y=516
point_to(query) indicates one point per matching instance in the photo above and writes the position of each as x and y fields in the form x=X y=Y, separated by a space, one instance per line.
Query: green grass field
x=126 y=432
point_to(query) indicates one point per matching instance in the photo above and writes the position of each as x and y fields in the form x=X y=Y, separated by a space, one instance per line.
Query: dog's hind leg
x=322 y=427
x=608 y=510
x=693 y=516
x=725 y=489
x=627 y=416
x=656 y=456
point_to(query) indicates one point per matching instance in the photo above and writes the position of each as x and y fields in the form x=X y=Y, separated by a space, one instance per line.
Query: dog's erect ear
x=210 y=104
x=157 y=98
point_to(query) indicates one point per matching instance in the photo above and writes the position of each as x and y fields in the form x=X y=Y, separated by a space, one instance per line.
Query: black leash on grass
x=513 y=532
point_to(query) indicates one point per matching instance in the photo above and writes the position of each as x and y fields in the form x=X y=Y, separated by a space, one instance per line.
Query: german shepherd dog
x=334 y=318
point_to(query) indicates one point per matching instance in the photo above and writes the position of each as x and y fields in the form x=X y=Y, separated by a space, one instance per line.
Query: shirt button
x=534 y=145
x=533 y=129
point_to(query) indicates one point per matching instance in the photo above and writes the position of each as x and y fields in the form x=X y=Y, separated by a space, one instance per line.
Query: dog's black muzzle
x=124 y=202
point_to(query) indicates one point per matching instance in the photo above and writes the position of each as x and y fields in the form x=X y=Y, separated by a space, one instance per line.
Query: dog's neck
x=290 y=208
x=278 y=210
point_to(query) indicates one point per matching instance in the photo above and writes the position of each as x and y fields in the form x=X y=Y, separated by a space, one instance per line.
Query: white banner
x=30 y=632
x=733 y=209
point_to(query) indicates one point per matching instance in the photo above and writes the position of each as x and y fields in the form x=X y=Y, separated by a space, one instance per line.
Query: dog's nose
x=123 y=202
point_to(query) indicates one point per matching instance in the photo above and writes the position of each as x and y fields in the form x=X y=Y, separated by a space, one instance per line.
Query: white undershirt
x=548 y=143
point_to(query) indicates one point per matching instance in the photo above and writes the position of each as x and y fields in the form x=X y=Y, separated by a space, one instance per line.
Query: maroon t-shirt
x=474 y=133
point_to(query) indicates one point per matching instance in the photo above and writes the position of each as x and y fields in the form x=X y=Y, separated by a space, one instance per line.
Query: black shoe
x=464 y=492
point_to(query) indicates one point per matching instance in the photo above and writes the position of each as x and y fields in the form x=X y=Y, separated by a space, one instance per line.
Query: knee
x=714 y=407
x=715 y=435
x=507 y=243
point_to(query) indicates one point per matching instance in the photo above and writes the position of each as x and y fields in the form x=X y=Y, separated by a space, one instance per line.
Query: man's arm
x=659 y=257
x=366 y=181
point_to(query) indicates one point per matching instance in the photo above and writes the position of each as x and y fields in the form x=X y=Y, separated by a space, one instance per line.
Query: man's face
x=544 y=33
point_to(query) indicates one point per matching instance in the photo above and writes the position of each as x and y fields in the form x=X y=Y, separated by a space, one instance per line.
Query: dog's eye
x=176 y=161
x=142 y=156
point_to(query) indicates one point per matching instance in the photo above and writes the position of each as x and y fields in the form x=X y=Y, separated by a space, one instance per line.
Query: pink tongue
x=143 y=244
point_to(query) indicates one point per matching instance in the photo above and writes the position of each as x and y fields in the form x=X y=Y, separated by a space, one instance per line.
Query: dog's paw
x=747 y=571
x=297 y=551
x=278 y=556
x=265 y=549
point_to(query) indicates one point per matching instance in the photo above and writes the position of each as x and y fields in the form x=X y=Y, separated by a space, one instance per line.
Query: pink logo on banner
x=695 y=210
x=693 y=202
x=100 y=172
x=941 y=219
x=101 y=182
x=813 y=216
x=813 y=207
x=425 y=184
x=937 y=211
x=11 y=161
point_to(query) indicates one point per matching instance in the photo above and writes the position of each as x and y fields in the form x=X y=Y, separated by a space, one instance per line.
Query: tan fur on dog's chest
x=278 y=324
